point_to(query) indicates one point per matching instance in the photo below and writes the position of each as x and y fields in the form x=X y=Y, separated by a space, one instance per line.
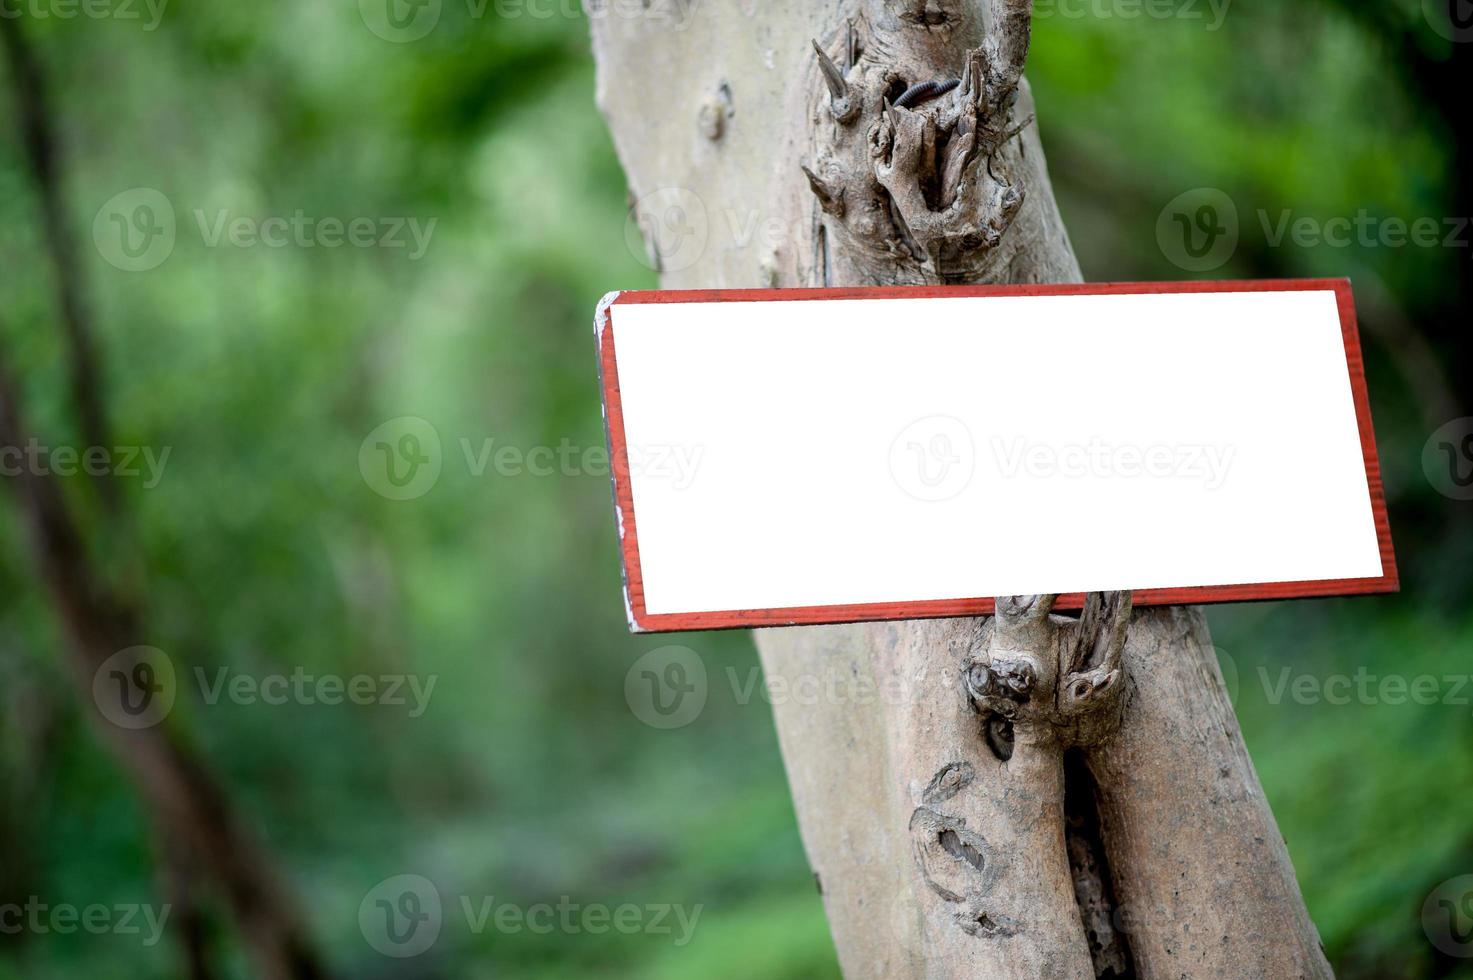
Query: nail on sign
x=869 y=454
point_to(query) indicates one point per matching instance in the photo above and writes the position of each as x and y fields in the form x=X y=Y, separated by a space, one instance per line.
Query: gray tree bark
x=1025 y=795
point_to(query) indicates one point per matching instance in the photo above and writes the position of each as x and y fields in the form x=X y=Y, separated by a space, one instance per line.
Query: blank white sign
x=784 y=460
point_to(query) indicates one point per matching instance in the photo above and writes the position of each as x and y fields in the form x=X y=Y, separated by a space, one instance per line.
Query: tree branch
x=194 y=817
x=31 y=99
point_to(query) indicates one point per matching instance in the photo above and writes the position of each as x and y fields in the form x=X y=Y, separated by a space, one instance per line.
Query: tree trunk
x=1025 y=795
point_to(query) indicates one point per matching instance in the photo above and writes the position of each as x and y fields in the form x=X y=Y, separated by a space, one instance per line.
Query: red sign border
x=640 y=621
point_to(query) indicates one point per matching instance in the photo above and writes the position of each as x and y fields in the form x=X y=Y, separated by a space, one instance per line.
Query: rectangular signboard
x=819 y=456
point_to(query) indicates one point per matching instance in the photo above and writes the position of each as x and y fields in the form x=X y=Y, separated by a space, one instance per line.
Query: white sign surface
x=890 y=455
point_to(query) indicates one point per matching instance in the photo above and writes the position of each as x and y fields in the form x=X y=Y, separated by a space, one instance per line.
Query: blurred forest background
x=259 y=546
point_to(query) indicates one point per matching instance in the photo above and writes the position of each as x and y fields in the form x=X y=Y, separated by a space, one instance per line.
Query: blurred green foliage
x=528 y=778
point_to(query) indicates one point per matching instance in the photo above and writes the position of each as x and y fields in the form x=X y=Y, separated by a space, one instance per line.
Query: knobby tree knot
x=1059 y=679
x=915 y=164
